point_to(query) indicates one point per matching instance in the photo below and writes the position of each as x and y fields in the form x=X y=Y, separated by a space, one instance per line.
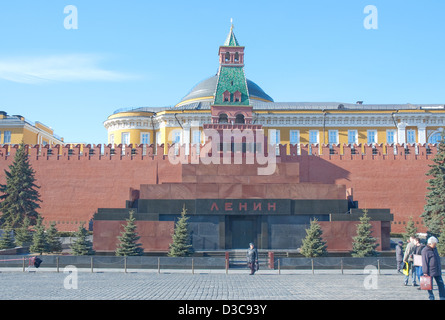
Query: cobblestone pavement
x=43 y=284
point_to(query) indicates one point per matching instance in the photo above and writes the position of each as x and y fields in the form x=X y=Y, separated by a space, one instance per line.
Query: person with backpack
x=408 y=259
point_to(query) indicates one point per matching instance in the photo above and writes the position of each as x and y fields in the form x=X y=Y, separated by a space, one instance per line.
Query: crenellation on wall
x=287 y=153
x=75 y=182
x=293 y=149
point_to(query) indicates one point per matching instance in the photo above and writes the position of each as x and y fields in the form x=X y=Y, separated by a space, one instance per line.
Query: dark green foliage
x=39 y=243
x=128 y=241
x=410 y=230
x=7 y=238
x=81 y=245
x=313 y=244
x=434 y=209
x=54 y=244
x=181 y=245
x=23 y=235
x=364 y=244
x=441 y=243
x=20 y=196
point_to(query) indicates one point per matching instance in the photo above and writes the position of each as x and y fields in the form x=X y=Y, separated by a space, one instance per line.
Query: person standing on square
x=431 y=266
x=252 y=258
x=399 y=256
x=408 y=258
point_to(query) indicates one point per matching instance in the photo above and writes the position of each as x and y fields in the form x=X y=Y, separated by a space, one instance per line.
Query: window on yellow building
x=177 y=137
x=125 y=138
x=294 y=137
x=372 y=136
x=177 y=140
x=352 y=137
x=333 y=136
x=145 y=138
x=313 y=136
x=274 y=139
x=196 y=139
x=411 y=136
x=434 y=138
x=390 y=136
x=7 y=137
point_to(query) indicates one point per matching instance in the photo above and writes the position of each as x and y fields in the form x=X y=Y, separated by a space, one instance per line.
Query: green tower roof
x=232 y=79
x=231 y=39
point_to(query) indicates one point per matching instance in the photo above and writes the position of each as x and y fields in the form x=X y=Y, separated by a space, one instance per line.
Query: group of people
x=419 y=260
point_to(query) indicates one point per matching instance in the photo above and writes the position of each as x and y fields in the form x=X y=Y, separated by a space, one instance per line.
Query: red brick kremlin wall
x=75 y=184
x=378 y=180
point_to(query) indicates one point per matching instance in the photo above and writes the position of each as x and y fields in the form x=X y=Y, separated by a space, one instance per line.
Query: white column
x=421 y=133
x=186 y=137
x=401 y=135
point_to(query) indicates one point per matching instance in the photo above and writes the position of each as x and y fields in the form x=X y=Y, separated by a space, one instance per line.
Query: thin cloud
x=59 y=68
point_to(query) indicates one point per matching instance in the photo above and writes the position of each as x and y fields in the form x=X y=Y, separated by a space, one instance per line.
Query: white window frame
x=143 y=135
x=333 y=134
x=411 y=136
x=177 y=137
x=196 y=140
x=274 y=136
x=394 y=136
x=355 y=133
x=177 y=140
x=374 y=134
x=7 y=137
x=434 y=138
x=196 y=137
x=312 y=134
x=294 y=137
x=125 y=138
x=275 y=139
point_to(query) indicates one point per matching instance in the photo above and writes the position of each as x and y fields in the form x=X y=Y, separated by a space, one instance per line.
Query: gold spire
x=231 y=39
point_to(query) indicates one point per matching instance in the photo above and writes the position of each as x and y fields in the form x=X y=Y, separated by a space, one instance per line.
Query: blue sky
x=151 y=53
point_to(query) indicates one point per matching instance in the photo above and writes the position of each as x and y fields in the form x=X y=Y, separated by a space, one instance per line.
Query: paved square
x=207 y=285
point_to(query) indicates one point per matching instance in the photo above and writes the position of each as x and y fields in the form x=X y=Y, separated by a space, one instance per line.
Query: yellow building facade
x=14 y=129
x=401 y=126
x=314 y=123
